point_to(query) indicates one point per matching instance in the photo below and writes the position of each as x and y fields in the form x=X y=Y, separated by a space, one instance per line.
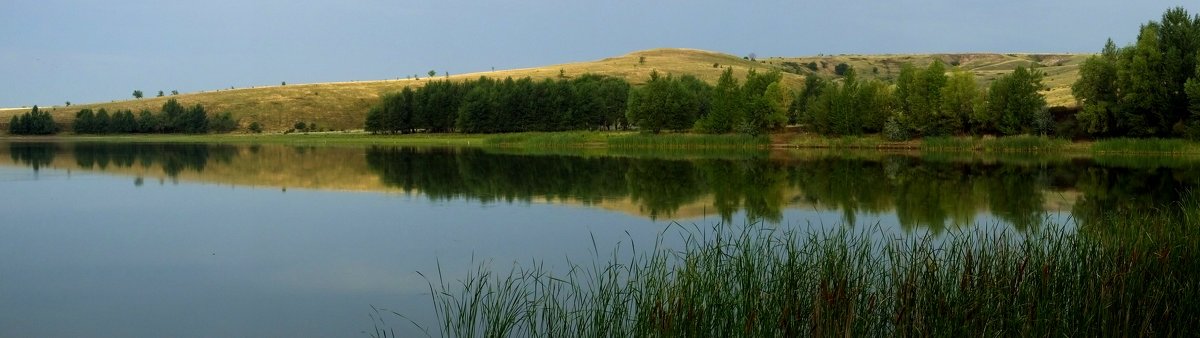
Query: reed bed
x=547 y=139
x=1133 y=273
x=1018 y=143
x=1146 y=146
x=731 y=141
x=848 y=142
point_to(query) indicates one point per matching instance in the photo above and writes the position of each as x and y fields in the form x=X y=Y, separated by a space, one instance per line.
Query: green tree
x=223 y=123
x=160 y=93
x=431 y=73
x=1014 y=101
x=172 y=119
x=919 y=93
x=34 y=122
x=255 y=127
x=123 y=122
x=1140 y=80
x=1192 y=89
x=958 y=100
x=798 y=112
x=147 y=122
x=1096 y=91
x=728 y=105
x=137 y=94
x=876 y=104
x=103 y=120
x=14 y=126
x=85 y=121
x=194 y=120
x=663 y=103
x=841 y=68
x=779 y=99
x=1142 y=89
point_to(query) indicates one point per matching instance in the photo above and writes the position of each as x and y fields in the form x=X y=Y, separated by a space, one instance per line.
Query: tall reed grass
x=1137 y=274
x=1018 y=143
x=1146 y=146
x=641 y=140
x=547 y=140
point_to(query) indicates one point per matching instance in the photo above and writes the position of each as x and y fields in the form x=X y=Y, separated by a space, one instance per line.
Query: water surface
x=112 y=239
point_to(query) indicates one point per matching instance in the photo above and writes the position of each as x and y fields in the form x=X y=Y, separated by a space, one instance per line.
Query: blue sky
x=53 y=51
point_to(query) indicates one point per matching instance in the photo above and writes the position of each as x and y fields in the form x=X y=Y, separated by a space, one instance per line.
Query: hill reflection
x=931 y=192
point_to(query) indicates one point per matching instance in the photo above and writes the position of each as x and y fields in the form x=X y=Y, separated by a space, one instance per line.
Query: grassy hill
x=343 y=105
x=1061 y=69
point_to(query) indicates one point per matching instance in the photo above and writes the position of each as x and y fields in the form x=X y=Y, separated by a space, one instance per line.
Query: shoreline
x=627 y=139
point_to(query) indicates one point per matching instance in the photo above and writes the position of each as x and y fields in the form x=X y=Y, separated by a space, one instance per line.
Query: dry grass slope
x=343 y=105
x=1061 y=69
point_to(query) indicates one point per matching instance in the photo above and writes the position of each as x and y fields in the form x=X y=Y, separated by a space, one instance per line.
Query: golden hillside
x=343 y=105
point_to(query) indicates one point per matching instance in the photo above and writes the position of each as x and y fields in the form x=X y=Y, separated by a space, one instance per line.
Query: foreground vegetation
x=1127 y=273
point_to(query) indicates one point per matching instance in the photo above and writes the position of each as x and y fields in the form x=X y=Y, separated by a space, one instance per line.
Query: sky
x=53 y=51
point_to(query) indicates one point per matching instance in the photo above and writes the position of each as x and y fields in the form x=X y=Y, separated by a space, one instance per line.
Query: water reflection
x=929 y=192
x=35 y=155
x=172 y=158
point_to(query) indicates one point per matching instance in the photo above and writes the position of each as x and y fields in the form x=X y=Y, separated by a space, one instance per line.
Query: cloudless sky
x=81 y=51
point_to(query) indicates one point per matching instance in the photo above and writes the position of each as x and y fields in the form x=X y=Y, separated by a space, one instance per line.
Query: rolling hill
x=343 y=105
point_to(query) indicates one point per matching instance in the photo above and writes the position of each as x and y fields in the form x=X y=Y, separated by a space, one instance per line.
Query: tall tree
x=85 y=122
x=1096 y=91
x=172 y=115
x=727 y=105
x=958 y=100
x=1014 y=101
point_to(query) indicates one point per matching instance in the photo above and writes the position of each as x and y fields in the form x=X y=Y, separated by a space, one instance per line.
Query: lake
x=137 y=239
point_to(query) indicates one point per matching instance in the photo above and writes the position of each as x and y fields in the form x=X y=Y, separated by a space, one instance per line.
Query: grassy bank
x=1005 y=144
x=330 y=138
x=1136 y=274
x=635 y=140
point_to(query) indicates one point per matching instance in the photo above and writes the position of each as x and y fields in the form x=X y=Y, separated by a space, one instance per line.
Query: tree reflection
x=35 y=155
x=173 y=158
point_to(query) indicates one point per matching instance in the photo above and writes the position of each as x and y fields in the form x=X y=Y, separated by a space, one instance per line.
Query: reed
x=1018 y=143
x=566 y=139
x=1135 y=275
x=728 y=141
x=1146 y=146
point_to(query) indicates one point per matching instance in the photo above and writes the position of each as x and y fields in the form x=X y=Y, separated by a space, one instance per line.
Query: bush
x=893 y=130
x=256 y=127
x=223 y=123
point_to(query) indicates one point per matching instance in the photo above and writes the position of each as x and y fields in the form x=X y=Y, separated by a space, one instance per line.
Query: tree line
x=497 y=106
x=924 y=101
x=1148 y=89
x=34 y=122
x=753 y=107
x=588 y=102
x=173 y=118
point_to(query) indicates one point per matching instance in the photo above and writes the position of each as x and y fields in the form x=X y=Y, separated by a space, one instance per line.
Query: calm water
x=205 y=240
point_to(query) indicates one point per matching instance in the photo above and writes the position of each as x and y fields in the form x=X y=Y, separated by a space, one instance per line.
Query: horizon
x=88 y=52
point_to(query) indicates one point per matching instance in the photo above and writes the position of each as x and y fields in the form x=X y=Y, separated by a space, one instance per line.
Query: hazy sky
x=53 y=51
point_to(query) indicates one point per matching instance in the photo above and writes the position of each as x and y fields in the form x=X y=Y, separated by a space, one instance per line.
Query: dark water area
x=133 y=239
